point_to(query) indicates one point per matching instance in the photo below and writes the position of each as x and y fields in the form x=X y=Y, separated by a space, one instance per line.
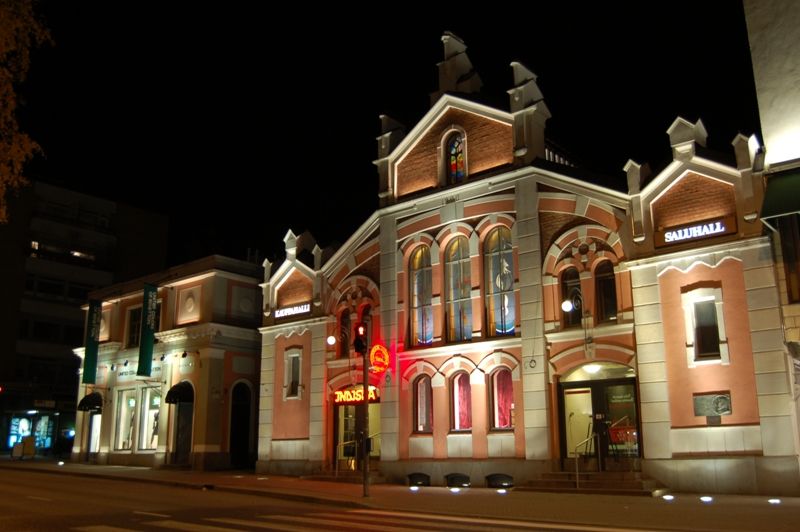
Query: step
x=588 y=491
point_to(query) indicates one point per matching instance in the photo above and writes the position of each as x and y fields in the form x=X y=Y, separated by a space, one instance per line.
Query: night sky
x=209 y=112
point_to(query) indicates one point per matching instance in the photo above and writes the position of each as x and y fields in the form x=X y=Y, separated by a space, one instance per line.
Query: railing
x=596 y=450
x=342 y=444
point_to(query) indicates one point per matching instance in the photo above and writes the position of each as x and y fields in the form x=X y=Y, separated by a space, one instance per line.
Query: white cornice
x=207 y=330
x=577 y=186
x=727 y=247
x=483 y=345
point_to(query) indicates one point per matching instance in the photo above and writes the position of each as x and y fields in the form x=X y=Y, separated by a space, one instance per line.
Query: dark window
x=344 y=333
x=46 y=331
x=789 y=227
x=134 y=326
x=706 y=332
x=78 y=291
x=293 y=386
x=606 y=292
x=423 y=403
x=570 y=289
x=50 y=287
x=73 y=335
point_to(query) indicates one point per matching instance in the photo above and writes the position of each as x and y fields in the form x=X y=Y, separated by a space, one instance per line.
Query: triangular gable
x=416 y=164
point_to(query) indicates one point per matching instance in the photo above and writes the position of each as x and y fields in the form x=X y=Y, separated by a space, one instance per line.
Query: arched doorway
x=348 y=424
x=240 y=427
x=599 y=415
x=182 y=396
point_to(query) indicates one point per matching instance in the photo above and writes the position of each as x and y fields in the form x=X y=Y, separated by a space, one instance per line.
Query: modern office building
x=529 y=317
x=57 y=247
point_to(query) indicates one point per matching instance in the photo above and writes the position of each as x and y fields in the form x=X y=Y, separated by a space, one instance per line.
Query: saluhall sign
x=705 y=229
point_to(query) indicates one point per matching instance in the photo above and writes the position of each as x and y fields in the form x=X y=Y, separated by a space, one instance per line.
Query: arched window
x=423 y=404
x=344 y=333
x=462 y=401
x=459 y=290
x=605 y=292
x=502 y=394
x=456 y=167
x=366 y=318
x=420 y=280
x=570 y=286
x=498 y=265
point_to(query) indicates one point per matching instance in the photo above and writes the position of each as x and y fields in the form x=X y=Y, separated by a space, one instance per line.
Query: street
x=43 y=502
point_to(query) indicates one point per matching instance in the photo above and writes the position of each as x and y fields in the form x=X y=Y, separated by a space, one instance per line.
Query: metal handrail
x=336 y=458
x=597 y=451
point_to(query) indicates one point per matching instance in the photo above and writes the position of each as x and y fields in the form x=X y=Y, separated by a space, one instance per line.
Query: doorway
x=240 y=427
x=599 y=418
x=348 y=421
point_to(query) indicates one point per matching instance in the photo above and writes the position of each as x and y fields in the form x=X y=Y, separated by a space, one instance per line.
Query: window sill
x=509 y=430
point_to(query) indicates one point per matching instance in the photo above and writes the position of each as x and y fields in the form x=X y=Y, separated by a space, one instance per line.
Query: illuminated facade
x=195 y=405
x=774 y=35
x=670 y=361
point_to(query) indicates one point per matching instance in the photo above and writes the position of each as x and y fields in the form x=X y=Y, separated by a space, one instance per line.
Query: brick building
x=534 y=318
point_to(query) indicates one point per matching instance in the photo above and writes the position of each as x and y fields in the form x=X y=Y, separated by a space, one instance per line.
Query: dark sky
x=240 y=120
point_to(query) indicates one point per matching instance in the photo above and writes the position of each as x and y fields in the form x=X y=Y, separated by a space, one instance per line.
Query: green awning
x=783 y=194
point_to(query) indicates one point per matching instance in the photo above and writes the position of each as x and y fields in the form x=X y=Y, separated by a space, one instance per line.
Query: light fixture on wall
x=185 y=354
x=126 y=364
x=113 y=367
x=161 y=358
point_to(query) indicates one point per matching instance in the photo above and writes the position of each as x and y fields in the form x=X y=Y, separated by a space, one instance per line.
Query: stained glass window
x=420 y=282
x=455 y=158
x=499 y=264
x=459 y=290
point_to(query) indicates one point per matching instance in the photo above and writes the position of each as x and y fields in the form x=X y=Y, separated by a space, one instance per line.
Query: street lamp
x=360 y=344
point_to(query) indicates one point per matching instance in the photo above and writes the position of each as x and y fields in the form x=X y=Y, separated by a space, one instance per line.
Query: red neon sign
x=378 y=358
x=355 y=396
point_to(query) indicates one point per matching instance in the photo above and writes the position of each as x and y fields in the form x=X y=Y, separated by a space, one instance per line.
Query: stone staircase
x=597 y=482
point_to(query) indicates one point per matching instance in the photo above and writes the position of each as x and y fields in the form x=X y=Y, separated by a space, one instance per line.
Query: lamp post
x=361 y=346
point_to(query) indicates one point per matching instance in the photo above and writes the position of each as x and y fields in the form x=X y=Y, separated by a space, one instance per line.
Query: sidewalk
x=685 y=512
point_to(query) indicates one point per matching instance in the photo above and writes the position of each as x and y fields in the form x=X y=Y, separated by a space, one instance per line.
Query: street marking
x=38 y=498
x=102 y=528
x=341 y=519
x=257 y=524
x=150 y=513
x=531 y=525
x=191 y=527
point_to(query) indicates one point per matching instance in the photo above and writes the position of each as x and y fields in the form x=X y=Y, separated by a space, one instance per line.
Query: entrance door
x=183 y=436
x=240 y=427
x=600 y=415
x=348 y=425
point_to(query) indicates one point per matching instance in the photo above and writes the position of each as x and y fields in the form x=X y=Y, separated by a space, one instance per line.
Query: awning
x=181 y=393
x=91 y=402
x=783 y=194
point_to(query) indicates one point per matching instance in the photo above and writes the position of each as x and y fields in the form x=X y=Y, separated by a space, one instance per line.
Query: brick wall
x=692 y=199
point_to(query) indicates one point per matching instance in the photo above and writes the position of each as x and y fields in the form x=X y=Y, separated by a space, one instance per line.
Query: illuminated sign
x=705 y=229
x=355 y=396
x=291 y=311
x=378 y=359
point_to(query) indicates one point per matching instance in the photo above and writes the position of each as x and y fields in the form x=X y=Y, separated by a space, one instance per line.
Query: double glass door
x=599 y=418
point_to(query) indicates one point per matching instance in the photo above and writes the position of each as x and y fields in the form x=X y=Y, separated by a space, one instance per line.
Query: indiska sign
x=355 y=396
x=291 y=311
x=697 y=231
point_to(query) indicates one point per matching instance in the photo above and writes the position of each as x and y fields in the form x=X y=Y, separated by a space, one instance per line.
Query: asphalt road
x=45 y=502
